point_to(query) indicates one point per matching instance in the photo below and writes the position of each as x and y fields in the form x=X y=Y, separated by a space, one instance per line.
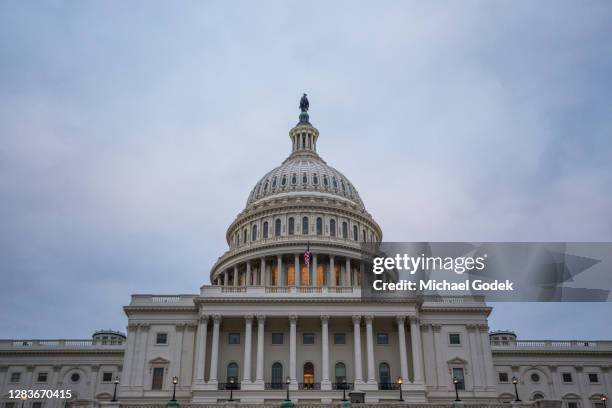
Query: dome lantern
x=304 y=136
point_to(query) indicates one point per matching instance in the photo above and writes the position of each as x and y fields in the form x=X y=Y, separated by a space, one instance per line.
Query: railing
x=60 y=343
x=257 y=291
x=173 y=300
x=275 y=386
x=343 y=386
x=228 y=386
x=309 y=386
x=553 y=344
x=388 y=386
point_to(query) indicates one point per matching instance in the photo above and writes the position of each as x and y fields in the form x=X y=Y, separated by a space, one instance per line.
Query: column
x=478 y=379
x=200 y=351
x=226 y=278
x=262 y=271
x=259 y=377
x=279 y=271
x=330 y=274
x=417 y=350
x=347 y=273
x=293 y=351
x=141 y=348
x=401 y=331
x=94 y=380
x=325 y=383
x=313 y=274
x=247 y=278
x=132 y=332
x=490 y=374
x=357 y=348
x=370 y=348
x=236 y=283
x=298 y=272
x=214 y=353
x=246 y=378
x=178 y=349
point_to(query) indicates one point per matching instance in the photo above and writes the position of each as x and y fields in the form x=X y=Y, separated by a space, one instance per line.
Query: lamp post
x=231 y=387
x=344 y=389
x=115 y=390
x=287 y=381
x=456 y=383
x=400 y=381
x=604 y=399
x=515 y=382
x=174 y=382
x=24 y=398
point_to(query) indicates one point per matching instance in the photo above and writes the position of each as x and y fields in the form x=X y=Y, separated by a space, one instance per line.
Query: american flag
x=307 y=255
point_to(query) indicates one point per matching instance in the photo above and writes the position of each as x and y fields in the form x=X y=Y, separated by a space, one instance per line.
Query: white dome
x=304 y=173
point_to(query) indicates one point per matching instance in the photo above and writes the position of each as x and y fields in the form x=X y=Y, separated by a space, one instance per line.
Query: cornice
x=55 y=351
x=550 y=352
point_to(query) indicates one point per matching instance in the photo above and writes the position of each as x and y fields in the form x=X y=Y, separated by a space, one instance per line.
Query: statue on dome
x=304 y=103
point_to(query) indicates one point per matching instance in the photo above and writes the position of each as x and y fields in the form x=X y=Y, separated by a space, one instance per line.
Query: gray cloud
x=131 y=135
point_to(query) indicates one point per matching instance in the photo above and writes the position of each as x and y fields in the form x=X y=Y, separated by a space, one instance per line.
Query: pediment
x=457 y=361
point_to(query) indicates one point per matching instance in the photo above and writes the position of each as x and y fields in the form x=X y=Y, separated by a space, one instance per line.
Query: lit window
x=308 y=338
x=454 y=338
x=277 y=338
x=161 y=338
x=234 y=338
x=382 y=338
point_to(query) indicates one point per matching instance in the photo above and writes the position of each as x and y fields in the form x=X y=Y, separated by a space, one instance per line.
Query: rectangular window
x=37 y=404
x=503 y=377
x=234 y=338
x=454 y=338
x=593 y=378
x=161 y=338
x=339 y=338
x=107 y=377
x=158 y=378
x=567 y=377
x=308 y=338
x=458 y=374
x=42 y=377
x=277 y=338
x=382 y=338
x=15 y=377
x=572 y=404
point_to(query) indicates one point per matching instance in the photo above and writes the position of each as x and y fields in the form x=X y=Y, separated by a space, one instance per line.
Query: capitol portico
x=274 y=321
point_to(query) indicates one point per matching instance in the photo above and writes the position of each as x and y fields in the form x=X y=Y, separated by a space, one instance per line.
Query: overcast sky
x=132 y=133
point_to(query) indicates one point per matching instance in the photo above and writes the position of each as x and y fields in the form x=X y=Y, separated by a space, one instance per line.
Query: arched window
x=342 y=184
x=244 y=236
x=238 y=239
x=274 y=182
x=319 y=226
x=254 y=233
x=277 y=228
x=277 y=376
x=325 y=181
x=344 y=230
x=308 y=377
x=334 y=182
x=332 y=228
x=355 y=233
x=384 y=376
x=304 y=179
x=537 y=396
x=265 y=230
x=265 y=186
x=305 y=225
x=284 y=181
x=340 y=373
x=232 y=372
x=294 y=179
x=364 y=236
x=291 y=226
x=315 y=178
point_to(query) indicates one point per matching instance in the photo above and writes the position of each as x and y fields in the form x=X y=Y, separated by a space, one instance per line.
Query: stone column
x=325 y=382
x=236 y=282
x=357 y=349
x=293 y=351
x=298 y=272
x=200 y=351
x=246 y=378
x=214 y=353
x=401 y=331
x=259 y=376
x=279 y=271
x=247 y=278
x=313 y=275
x=178 y=349
x=262 y=271
x=95 y=369
x=475 y=357
x=330 y=274
x=347 y=273
x=226 y=278
x=370 y=348
x=417 y=350
x=490 y=374
x=132 y=332
x=142 y=354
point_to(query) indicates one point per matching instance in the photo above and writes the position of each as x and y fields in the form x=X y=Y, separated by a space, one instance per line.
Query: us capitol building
x=269 y=321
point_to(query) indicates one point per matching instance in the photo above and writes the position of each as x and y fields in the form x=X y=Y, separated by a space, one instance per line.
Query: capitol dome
x=303 y=203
